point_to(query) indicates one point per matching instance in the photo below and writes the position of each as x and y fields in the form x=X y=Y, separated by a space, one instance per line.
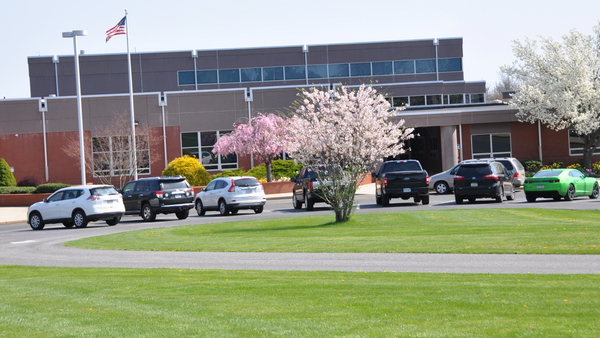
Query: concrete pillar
x=449 y=143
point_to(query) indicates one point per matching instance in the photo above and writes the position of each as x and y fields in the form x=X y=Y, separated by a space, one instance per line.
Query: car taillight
x=491 y=177
x=427 y=179
x=93 y=198
x=554 y=181
x=385 y=181
x=232 y=188
x=516 y=174
x=458 y=178
x=310 y=186
x=159 y=194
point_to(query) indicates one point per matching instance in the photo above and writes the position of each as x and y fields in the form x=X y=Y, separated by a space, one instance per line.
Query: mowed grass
x=521 y=231
x=88 y=302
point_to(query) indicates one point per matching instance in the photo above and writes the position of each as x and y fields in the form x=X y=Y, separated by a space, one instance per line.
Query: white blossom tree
x=348 y=129
x=559 y=85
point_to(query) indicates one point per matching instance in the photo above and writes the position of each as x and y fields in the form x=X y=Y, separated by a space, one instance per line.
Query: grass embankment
x=86 y=302
x=522 y=231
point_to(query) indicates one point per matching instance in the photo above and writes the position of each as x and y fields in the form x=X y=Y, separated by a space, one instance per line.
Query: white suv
x=230 y=194
x=76 y=206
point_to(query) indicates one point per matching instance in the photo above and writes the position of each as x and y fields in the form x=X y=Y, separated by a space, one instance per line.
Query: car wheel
x=441 y=187
x=512 y=194
x=458 y=200
x=68 y=224
x=113 y=221
x=377 y=200
x=182 y=214
x=234 y=211
x=385 y=200
x=530 y=198
x=595 y=191
x=35 y=221
x=148 y=214
x=417 y=199
x=570 y=195
x=471 y=200
x=425 y=200
x=297 y=204
x=258 y=210
x=200 y=208
x=79 y=219
x=310 y=205
x=223 y=209
x=500 y=197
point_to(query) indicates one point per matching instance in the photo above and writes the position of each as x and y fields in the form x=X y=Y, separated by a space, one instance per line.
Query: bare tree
x=108 y=153
x=506 y=83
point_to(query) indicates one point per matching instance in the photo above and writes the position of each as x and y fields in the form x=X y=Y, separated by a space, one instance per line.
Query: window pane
x=477 y=98
x=189 y=140
x=229 y=75
x=339 y=70
x=434 y=99
x=417 y=100
x=450 y=65
x=481 y=144
x=383 y=68
x=425 y=66
x=404 y=67
x=317 y=72
x=207 y=76
x=208 y=138
x=251 y=74
x=294 y=72
x=185 y=78
x=360 y=69
x=272 y=73
x=400 y=101
x=456 y=98
x=501 y=143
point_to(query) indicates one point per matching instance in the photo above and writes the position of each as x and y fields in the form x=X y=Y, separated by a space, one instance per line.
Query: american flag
x=117 y=29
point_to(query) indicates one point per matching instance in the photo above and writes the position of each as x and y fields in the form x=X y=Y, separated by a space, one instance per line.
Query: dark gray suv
x=158 y=195
x=484 y=179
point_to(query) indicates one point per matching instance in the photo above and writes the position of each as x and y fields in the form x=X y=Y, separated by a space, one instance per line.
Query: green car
x=558 y=183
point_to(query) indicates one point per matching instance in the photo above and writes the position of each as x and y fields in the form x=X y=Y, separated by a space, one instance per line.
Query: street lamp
x=74 y=35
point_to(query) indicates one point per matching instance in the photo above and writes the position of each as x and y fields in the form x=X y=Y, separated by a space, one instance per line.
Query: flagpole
x=133 y=140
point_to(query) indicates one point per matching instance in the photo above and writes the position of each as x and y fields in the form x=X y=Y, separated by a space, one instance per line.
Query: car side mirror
x=293 y=179
x=374 y=175
x=46 y=200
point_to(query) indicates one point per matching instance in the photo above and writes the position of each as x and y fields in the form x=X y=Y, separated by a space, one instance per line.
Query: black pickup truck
x=401 y=179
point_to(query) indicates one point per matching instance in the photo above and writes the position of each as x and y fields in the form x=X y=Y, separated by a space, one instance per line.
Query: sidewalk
x=10 y=215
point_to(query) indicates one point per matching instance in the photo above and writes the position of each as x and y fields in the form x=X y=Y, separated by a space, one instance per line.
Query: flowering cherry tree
x=262 y=137
x=348 y=129
x=559 y=85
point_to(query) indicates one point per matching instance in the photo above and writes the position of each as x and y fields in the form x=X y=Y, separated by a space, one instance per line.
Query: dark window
x=417 y=100
x=272 y=73
x=360 y=69
x=425 y=66
x=339 y=70
x=317 y=72
x=247 y=182
x=477 y=98
x=383 y=68
x=251 y=74
x=207 y=76
x=434 y=99
x=456 y=98
x=185 y=78
x=450 y=65
x=400 y=101
x=404 y=67
x=295 y=72
x=229 y=75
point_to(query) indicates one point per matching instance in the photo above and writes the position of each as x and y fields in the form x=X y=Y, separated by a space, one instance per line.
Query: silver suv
x=513 y=166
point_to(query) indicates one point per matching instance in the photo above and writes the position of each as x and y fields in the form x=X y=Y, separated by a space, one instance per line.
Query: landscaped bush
x=7 y=179
x=16 y=190
x=229 y=173
x=49 y=188
x=190 y=168
x=29 y=181
x=281 y=170
x=285 y=168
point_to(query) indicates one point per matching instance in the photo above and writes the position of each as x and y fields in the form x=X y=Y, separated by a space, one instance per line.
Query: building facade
x=190 y=98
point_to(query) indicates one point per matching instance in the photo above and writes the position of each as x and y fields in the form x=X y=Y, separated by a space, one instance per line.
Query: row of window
x=112 y=158
x=200 y=145
x=326 y=71
x=437 y=99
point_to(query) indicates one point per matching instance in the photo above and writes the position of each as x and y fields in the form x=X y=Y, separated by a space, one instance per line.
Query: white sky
x=34 y=27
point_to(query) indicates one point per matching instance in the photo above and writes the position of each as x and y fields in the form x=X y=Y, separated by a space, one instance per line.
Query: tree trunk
x=269 y=173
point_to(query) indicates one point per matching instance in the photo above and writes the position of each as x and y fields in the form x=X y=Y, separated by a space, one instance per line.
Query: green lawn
x=523 y=231
x=87 y=302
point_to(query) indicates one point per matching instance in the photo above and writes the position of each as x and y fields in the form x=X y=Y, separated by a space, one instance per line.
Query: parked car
x=306 y=190
x=231 y=194
x=150 y=196
x=559 y=183
x=443 y=183
x=76 y=206
x=483 y=179
x=401 y=179
x=513 y=166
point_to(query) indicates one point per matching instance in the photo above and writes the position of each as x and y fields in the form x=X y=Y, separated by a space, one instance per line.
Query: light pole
x=74 y=35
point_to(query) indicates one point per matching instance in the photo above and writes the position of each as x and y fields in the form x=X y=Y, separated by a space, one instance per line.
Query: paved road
x=21 y=246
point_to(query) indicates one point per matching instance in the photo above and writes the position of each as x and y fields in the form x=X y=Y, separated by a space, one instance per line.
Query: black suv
x=483 y=179
x=306 y=185
x=158 y=195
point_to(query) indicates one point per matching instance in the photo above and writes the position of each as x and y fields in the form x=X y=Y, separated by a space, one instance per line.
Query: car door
x=51 y=206
x=131 y=196
x=208 y=195
x=579 y=183
x=297 y=189
x=68 y=203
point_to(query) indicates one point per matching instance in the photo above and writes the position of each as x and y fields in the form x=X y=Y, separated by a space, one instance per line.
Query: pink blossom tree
x=348 y=129
x=262 y=137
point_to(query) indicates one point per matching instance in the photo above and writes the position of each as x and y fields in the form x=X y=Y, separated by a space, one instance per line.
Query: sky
x=488 y=28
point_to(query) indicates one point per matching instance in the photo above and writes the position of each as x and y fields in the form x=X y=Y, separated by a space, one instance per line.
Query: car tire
x=425 y=200
x=378 y=200
x=595 y=191
x=458 y=200
x=234 y=211
x=297 y=204
x=36 y=222
x=385 y=200
x=500 y=197
x=114 y=221
x=512 y=194
x=310 y=204
x=200 y=208
x=79 y=219
x=441 y=187
x=530 y=198
x=417 y=199
x=148 y=213
x=68 y=224
x=258 y=210
x=223 y=208
x=182 y=214
x=570 y=195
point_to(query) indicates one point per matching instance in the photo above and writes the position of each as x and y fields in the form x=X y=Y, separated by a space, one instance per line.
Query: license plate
x=177 y=196
x=541 y=186
x=110 y=201
x=406 y=189
x=474 y=184
x=249 y=191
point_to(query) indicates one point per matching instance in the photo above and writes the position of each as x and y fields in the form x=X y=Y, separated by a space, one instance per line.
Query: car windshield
x=171 y=185
x=548 y=173
x=246 y=182
x=402 y=166
x=474 y=170
x=104 y=191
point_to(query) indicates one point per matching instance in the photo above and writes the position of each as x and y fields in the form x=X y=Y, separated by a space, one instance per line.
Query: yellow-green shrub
x=190 y=168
